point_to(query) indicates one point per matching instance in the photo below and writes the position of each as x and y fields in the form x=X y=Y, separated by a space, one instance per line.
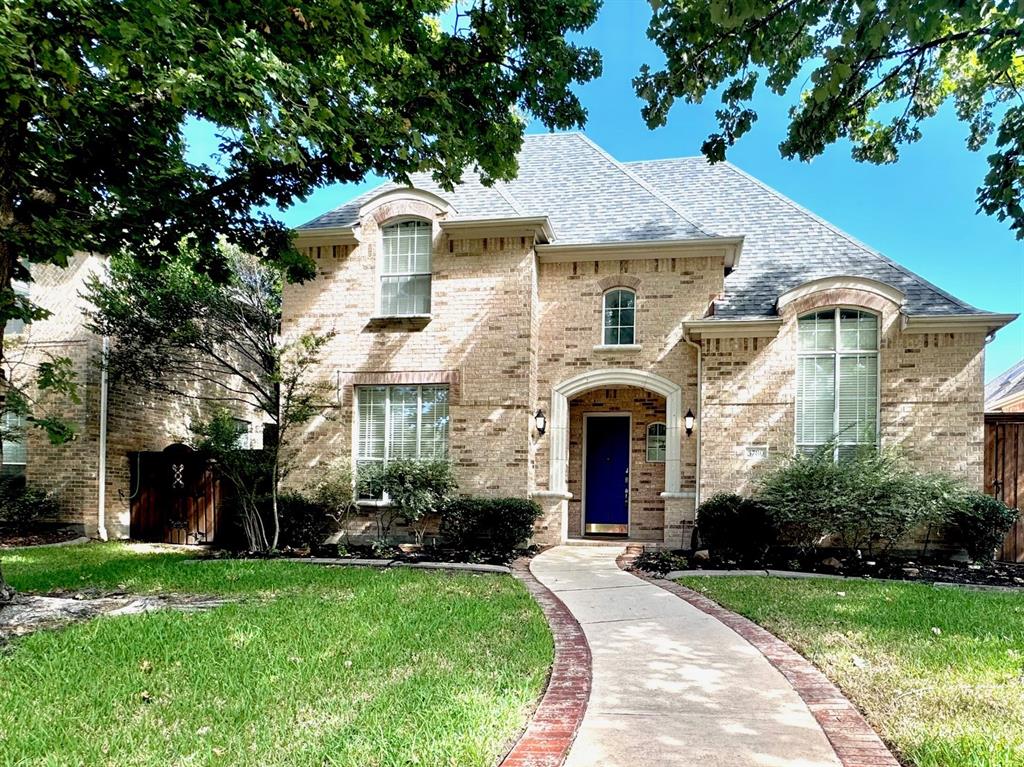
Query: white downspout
x=698 y=422
x=104 y=388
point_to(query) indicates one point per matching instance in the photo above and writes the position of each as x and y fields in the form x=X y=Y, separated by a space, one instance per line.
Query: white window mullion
x=419 y=422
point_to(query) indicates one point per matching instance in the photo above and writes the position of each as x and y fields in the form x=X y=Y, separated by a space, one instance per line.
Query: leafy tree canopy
x=96 y=93
x=877 y=71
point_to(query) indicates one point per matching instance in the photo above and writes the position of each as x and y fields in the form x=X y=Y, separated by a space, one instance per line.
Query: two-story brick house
x=619 y=340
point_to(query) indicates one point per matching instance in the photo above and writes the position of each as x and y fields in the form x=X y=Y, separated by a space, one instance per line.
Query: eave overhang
x=728 y=247
x=748 y=328
x=956 y=323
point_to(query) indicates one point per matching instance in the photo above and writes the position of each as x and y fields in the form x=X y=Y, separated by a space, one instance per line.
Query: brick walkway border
x=552 y=730
x=855 y=743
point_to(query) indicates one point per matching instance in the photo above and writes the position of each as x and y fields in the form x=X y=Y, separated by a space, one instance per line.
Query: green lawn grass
x=311 y=666
x=939 y=673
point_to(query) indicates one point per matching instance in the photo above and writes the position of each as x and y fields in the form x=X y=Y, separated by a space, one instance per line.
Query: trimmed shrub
x=23 y=506
x=335 y=493
x=488 y=528
x=305 y=522
x=979 y=523
x=415 y=490
x=734 y=528
x=870 y=500
x=661 y=562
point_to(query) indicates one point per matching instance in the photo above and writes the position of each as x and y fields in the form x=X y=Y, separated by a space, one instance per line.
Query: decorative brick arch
x=558 y=426
x=618 y=281
x=841 y=291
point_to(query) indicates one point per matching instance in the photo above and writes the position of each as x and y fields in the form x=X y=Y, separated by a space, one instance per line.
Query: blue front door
x=606 y=502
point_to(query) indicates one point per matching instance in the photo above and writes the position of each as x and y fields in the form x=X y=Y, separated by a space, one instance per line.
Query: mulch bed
x=11 y=538
x=927 y=570
x=407 y=554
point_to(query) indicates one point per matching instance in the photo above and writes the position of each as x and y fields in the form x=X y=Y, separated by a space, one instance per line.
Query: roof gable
x=785 y=245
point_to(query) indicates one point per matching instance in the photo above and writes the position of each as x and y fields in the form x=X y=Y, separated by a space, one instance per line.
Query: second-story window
x=405 y=269
x=619 y=317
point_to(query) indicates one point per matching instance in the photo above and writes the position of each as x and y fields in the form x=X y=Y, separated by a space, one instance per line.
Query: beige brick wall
x=669 y=291
x=479 y=335
x=931 y=396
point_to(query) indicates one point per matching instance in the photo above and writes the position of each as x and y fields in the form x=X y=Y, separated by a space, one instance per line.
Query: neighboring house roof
x=1006 y=388
x=592 y=199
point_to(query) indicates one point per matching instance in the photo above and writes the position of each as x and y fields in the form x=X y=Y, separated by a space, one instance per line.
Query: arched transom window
x=619 y=317
x=837 y=381
x=405 y=269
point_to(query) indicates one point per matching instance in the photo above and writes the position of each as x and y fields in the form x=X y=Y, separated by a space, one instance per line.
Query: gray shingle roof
x=588 y=196
x=591 y=198
x=785 y=245
x=1009 y=384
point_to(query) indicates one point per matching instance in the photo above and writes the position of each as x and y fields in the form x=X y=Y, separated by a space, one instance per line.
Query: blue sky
x=920 y=211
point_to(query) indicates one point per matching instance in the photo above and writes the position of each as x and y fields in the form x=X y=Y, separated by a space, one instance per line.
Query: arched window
x=405 y=269
x=656 y=441
x=619 y=317
x=837 y=380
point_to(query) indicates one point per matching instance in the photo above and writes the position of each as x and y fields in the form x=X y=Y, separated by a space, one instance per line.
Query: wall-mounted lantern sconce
x=688 y=422
x=540 y=421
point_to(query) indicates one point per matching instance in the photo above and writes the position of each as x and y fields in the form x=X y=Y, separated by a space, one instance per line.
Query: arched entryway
x=563 y=392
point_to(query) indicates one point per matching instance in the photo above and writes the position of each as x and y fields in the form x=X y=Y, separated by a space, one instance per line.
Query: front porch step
x=632 y=547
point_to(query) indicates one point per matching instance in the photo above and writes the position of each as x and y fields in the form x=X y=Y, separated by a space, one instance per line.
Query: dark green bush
x=870 y=500
x=304 y=521
x=23 y=506
x=488 y=528
x=734 y=528
x=661 y=562
x=979 y=523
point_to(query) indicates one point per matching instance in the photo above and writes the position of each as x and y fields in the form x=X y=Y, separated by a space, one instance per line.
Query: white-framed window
x=14 y=327
x=401 y=422
x=656 y=442
x=243 y=432
x=837 y=380
x=619 y=317
x=405 y=268
x=15 y=452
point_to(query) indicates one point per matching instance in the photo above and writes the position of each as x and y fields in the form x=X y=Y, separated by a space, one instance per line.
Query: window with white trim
x=656 y=442
x=405 y=269
x=837 y=381
x=619 y=317
x=15 y=453
x=401 y=422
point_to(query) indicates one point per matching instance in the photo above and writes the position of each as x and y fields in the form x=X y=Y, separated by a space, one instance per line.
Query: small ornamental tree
x=409 y=490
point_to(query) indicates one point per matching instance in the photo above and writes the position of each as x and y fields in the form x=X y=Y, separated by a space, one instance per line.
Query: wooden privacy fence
x=177 y=497
x=1004 y=473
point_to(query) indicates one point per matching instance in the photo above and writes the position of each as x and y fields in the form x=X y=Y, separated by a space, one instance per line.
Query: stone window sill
x=409 y=321
x=618 y=347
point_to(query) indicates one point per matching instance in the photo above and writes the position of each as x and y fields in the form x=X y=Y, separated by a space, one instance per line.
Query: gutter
x=101 y=517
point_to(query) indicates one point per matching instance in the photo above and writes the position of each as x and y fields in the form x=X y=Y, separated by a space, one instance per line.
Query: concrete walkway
x=671 y=684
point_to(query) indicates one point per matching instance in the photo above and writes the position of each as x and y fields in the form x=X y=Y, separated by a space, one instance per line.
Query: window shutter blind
x=858 y=398
x=815 y=398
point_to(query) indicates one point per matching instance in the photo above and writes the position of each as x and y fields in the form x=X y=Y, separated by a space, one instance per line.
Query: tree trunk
x=273 y=497
x=6 y=270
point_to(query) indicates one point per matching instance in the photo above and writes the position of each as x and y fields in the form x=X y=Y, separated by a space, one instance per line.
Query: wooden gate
x=177 y=497
x=1004 y=473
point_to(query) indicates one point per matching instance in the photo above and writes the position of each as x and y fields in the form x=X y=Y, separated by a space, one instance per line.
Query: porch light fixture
x=540 y=421
x=688 y=422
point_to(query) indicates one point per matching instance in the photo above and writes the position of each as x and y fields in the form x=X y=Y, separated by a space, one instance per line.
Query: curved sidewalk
x=671 y=684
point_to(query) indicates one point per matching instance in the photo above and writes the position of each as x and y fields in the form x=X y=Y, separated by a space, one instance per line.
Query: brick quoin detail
x=552 y=730
x=855 y=743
